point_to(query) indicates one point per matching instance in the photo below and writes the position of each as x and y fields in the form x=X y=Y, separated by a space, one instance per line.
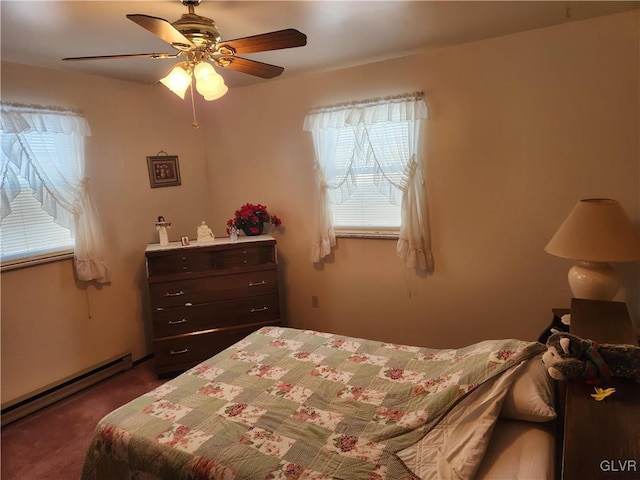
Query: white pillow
x=531 y=396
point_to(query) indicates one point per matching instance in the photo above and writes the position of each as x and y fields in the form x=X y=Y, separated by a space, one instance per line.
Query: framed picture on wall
x=164 y=171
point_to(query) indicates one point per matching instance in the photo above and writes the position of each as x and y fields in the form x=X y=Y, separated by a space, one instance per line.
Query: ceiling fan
x=198 y=40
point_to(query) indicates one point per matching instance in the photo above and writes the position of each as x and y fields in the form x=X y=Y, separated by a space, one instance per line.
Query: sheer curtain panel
x=32 y=138
x=384 y=134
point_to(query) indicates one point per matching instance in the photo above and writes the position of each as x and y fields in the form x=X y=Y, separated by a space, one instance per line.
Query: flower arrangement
x=250 y=219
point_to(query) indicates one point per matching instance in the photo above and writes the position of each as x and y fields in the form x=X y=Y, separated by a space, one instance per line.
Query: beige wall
x=51 y=327
x=521 y=128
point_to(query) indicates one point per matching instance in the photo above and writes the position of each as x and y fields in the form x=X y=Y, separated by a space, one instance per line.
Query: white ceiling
x=340 y=33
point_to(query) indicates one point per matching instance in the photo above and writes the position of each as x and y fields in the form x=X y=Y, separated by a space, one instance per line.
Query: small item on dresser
x=162 y=226
x=184 y=240
x=569 y=357
x=205 y=234
x=233 y=234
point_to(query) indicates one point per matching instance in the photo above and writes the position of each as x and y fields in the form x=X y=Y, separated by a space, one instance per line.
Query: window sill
x=369 y=235
x=33 y=261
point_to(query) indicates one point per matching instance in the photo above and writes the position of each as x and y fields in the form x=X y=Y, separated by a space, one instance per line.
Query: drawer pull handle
x=177 y=322
x=174 y=294
x=188 y=304
x=179 y=352
x=183 y=258
x=261 y=309
x=257 y=284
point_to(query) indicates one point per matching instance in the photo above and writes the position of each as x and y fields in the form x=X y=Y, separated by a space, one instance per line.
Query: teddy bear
x=569 y=357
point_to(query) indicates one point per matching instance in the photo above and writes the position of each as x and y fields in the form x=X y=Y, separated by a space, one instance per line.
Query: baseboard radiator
x=43 y=397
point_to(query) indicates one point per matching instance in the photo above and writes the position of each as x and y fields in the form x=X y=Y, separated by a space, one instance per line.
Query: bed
x=285 y=403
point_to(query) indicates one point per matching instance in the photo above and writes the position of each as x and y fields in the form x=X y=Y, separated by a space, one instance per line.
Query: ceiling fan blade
x=163 y=29
x=252 y=67
x=128 y=55
x=266 y=41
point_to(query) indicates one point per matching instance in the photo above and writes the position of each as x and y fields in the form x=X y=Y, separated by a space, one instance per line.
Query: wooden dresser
x=602 y=439
x=206 y=297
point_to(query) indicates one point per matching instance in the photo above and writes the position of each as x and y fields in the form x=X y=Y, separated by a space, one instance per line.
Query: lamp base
x=594 y=281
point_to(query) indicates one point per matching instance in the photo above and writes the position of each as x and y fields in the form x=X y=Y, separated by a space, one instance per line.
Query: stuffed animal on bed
x=569 y=357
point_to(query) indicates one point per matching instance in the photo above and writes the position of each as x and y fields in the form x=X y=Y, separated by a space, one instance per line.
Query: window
x=367 y=208
x=369 y=167
x=45 y=206
x=29 y=232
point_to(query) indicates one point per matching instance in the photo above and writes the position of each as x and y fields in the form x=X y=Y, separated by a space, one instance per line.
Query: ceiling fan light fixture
x=177 y=80
x=198 y=40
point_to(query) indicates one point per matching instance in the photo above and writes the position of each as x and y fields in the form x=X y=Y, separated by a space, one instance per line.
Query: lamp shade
x=596 y=230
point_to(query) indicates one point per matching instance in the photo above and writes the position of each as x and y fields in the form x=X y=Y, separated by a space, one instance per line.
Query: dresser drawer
x=183 y=262
x=210 y=289
x=179 y=320
x=181 y=353
x=246 y=256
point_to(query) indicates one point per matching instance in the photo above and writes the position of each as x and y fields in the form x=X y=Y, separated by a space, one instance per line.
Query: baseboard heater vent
x=34 y=401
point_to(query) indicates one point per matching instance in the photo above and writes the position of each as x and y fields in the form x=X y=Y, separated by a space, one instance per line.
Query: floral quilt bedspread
x=292 y=404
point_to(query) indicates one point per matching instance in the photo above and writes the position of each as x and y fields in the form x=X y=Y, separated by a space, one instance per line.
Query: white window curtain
x=60 y=187
x=375 y=126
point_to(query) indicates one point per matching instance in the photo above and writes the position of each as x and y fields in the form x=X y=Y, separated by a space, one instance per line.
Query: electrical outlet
x=315 y=301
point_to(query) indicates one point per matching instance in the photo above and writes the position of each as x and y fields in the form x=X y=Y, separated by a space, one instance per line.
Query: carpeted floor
x=50 y=444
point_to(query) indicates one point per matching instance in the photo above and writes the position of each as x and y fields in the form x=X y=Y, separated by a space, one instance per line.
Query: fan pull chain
x=195 y=123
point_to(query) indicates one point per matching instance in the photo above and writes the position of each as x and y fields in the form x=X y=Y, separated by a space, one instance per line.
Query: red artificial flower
x=250 y=217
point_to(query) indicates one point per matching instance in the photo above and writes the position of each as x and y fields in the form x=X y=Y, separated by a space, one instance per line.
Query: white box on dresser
x=205 y=297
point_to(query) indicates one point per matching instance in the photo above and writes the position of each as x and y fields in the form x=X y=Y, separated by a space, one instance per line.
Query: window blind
x=29 y=231
x=367 y=208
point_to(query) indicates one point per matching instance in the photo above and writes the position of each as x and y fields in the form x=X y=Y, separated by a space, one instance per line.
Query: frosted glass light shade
x=217 y=94
x=209 y=83
x=204 y=70
x=177 y=80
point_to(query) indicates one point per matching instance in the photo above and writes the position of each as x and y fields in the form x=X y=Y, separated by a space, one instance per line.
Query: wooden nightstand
x=602 y=439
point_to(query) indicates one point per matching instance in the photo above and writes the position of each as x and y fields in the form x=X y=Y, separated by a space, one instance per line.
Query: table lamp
x=596 y=232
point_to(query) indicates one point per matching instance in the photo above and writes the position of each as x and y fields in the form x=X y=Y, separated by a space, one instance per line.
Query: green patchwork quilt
x=292 y=404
